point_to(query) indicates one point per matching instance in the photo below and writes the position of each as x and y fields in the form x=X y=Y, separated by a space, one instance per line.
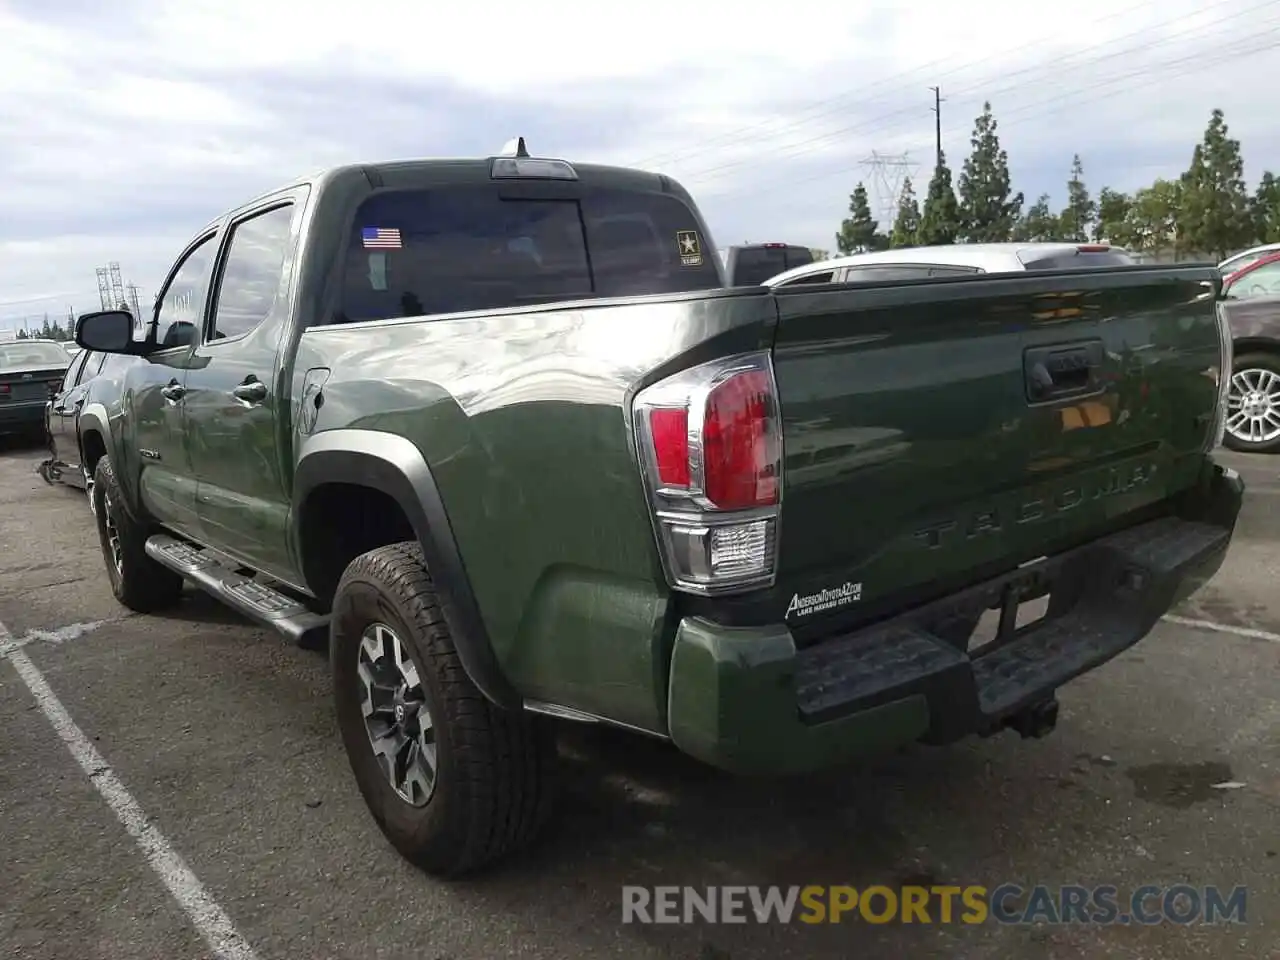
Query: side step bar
x=255 y=600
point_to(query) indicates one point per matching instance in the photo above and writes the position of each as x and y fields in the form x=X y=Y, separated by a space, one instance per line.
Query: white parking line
x=1249 y=632
x=209 y=919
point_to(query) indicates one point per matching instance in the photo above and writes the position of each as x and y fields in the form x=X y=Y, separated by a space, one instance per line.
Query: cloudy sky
x=125 y=127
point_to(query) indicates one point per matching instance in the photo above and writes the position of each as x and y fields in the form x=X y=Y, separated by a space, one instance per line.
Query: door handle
x=173 y=392
x=1063 y=370
x=250 y=392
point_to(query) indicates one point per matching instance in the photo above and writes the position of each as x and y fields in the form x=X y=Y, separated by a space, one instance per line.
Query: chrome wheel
x=1253 y=405
x=88 y=489
x=396 y=716
x=113 y=536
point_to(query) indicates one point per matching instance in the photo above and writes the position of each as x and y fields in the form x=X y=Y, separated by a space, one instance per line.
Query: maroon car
x=1253 y=313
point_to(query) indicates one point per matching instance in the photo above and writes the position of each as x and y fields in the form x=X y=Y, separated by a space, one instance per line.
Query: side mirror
x=107 y=331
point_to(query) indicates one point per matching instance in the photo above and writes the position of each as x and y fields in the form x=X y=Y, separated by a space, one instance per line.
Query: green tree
x=1215 y=213
x=940 y=217
x=819 y=254
x=1081 y=211
x=1152 y=224
x=1266 y=209
x=907 y=224
x=1038 y=224
x=858 y=231
x=22 y=334
x=988 y=207
x=1113 y=212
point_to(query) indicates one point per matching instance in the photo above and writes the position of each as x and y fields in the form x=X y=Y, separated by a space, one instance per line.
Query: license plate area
x=1021 y=604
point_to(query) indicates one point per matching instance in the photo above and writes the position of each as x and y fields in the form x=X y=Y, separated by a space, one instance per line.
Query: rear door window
x=423 y=252
x=1078 y=260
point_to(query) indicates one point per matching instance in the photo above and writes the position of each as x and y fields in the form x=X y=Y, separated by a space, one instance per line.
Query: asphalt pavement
x=168 y=780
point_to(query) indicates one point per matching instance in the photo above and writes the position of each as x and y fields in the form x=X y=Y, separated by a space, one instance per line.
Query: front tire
x=454 y=782
x=1253 y=404
x=137 y=581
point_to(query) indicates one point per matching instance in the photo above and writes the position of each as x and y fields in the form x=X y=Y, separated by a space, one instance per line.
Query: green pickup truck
x=496 y=433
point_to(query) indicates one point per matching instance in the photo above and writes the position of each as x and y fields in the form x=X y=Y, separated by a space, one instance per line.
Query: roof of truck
x=423 y=171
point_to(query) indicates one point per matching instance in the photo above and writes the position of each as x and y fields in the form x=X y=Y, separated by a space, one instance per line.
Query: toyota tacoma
x=496 y=432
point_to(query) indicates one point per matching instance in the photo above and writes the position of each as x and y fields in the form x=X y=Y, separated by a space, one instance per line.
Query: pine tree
x=907 y=224
x=940 y=217
x=1081 y=211
x=988 y=208
x=1215 y=212
x=858 y=231
x=1038 y=224
x=1266 y=209
x=1113 y=211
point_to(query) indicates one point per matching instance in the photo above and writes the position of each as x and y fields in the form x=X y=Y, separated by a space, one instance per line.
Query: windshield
x=423 y=252
x=30 y=355
x=1263 y=281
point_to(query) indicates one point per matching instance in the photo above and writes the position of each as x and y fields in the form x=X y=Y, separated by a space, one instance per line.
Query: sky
x=124 y=128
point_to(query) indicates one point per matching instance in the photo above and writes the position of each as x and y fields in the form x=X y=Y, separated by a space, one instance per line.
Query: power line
x=859 y=96
x=1195 y=62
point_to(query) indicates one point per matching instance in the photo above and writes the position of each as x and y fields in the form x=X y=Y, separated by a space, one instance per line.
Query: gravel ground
x=224 y=738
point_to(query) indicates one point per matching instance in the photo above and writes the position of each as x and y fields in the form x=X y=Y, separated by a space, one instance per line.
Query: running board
x=255 y=600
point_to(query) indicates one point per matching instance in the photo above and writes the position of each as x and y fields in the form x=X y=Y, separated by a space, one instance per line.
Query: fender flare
x=394 y=466
x=93 y=416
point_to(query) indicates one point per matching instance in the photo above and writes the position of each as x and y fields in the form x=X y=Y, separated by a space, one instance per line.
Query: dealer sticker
x=690 y=248
x=830 y=598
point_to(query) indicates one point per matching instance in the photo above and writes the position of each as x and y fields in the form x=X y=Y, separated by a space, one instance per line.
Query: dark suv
x=752 y=264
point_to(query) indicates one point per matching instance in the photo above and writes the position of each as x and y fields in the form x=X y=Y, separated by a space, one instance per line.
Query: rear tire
x=1254 y=389
x=137 y=581
x=489 y=793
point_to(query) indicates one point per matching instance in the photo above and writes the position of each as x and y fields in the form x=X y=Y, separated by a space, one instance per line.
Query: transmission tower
x=117 y=287
x=886 y=172
x=104 y=288
x=133 y=300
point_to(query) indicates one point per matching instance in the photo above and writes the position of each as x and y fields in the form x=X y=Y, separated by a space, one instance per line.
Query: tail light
x=4 y=388
x=710 y=442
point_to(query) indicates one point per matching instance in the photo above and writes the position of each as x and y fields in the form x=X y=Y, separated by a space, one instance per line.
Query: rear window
x=19 y=355
x=445 y=251
x=750 y=266
x=1076 y=260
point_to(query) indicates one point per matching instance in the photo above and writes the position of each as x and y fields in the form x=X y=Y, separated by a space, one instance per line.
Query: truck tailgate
x=939 y=431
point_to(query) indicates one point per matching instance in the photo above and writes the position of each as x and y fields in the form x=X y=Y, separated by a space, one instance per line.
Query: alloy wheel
x=113 y=535
x=1253 y=405
x=396 y=715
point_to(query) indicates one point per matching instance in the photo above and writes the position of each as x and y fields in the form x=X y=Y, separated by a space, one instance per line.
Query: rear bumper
x=746 y=700
x=22 y=415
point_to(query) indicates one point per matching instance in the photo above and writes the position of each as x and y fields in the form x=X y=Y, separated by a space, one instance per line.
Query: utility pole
x=937 y=123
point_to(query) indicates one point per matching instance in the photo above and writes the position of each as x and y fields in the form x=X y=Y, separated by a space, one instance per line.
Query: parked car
x=1259 y=278
x=62 y=417
x=31 y=371
x=1252 y=309
x=416 y=419
x=749 y=264
x=953 y=260
x=1238 y=261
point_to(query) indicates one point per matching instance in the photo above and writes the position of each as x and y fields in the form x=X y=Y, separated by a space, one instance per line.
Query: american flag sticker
x=380 y=238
